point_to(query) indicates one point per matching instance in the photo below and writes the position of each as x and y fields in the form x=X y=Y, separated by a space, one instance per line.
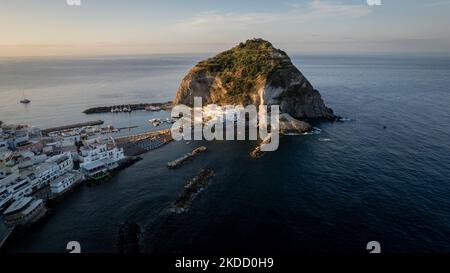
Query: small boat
x=24 y=100
x=152 y=108
x=116 y=109
x=155 y=122
x=127 y=109
x=170 y=120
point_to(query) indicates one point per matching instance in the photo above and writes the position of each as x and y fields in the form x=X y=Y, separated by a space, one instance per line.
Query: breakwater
x=71 y=126
x=179 y=161
x=129 y=107
x=192 y=188
x=134 y=145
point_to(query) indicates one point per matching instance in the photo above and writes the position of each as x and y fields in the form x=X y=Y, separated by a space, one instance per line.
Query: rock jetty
x=130 y=107
x=179 y=161
x=192 y=188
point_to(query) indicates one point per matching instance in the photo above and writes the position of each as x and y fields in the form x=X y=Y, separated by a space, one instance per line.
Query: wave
x=314 y=131
x=344 y=119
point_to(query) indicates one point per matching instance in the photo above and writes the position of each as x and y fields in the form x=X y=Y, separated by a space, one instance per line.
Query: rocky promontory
x=254 y=72
x=290 y=125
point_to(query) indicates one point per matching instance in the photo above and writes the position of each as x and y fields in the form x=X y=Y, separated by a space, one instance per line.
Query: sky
x=108 y=27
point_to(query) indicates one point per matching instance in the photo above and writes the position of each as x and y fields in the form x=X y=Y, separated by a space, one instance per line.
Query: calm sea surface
x=332 y=192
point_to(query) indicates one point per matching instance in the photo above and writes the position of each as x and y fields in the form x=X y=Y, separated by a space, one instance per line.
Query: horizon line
x=213 y=53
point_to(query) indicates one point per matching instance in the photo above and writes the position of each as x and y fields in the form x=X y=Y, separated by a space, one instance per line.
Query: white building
x=30 y=180
x=64 y=162
x=95 y=170
x=51 y=169
x=22 y=187
x=13 y=188
x=93 y=152
x=221 y=114
x=24 y=211
x=100 y=151
x=18 y=135
x=99 y=157
x=70 y=137
x=21 y=137
x=65 y=182
x=44 y=174
x=35 y=132
x=5 y=198
x=7 y=162
x=6 y=158
x=9 y=179
x=26 y=159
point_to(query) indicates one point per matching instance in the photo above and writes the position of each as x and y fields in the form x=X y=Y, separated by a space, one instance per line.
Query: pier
x=71 y=126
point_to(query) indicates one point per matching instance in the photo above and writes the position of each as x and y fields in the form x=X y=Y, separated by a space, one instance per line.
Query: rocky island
x=255 y=72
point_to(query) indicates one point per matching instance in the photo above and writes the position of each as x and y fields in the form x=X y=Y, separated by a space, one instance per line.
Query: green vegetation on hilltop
x=244 y=68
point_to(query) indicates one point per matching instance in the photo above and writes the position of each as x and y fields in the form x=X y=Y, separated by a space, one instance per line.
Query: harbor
x=39 y=168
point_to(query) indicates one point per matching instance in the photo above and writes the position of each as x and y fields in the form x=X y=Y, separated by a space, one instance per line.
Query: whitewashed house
x=65 y=182
x=64 y=162
x=45 y=173
x=100 y=157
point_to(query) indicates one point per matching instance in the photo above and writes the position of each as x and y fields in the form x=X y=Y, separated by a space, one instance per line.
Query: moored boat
x=24 y=100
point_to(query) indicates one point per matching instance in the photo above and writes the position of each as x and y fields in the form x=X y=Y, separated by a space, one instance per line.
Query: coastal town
x=38 y=167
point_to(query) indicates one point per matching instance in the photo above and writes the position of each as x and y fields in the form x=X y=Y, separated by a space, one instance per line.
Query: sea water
x=381 y=176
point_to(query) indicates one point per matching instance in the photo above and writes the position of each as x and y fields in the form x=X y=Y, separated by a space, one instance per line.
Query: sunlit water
x=354 y=182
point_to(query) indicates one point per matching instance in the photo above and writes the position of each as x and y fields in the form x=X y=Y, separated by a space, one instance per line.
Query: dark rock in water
x=128 y=238
x=256 y=73
x=256 y=153
x=192 y=188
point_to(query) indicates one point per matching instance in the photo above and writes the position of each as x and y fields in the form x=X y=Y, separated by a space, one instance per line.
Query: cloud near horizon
x=315 y=10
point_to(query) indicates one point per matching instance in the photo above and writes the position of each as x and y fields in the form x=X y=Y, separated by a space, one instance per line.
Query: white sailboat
x=24 y=100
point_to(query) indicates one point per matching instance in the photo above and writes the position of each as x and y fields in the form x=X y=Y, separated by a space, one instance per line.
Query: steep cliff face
x=253 y=72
